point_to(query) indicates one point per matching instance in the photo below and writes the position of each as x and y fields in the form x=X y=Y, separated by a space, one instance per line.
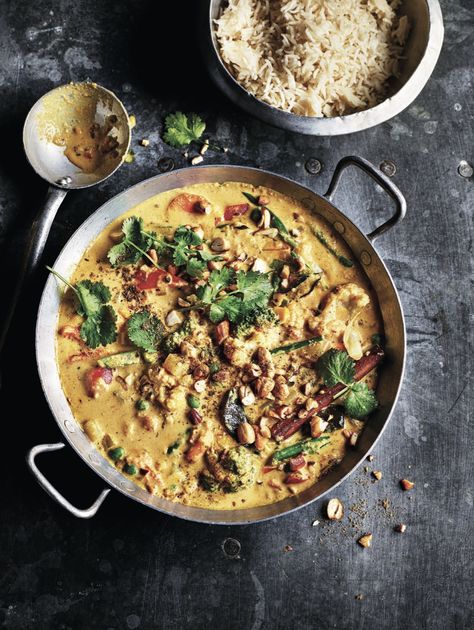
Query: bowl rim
x=337 y=125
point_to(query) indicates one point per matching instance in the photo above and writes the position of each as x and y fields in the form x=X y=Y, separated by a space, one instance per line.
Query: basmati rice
x=313 y=57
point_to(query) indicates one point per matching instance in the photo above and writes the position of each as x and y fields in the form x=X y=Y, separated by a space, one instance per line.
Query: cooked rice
x=313 y=57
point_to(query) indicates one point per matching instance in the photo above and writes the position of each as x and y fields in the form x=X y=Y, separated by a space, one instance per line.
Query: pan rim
x=196 y=514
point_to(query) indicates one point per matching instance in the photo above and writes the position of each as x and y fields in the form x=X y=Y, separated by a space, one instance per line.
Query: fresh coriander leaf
x=180 y=255
x=195 y=267
x=186 y=236
x=255 y=287
x=360 y=401
x=227 y=308
x=207 y=256
x=145 y=330
x=218 y=280
x=91 y=296
x=100 y=328
x=336 y=366
x=136 y=242
x=182 y=129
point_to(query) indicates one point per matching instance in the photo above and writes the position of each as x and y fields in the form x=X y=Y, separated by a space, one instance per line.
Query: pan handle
x=51 y=490
x=382 y=180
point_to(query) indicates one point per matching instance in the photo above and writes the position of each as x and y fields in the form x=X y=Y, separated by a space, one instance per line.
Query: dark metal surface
x=132 y=568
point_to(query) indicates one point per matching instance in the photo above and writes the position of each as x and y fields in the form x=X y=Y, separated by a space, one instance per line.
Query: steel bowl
x=422 y=51
x=362 y=248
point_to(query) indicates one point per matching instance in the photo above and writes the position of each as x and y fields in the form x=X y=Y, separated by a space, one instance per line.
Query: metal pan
x=362 y=248
x=421 y=55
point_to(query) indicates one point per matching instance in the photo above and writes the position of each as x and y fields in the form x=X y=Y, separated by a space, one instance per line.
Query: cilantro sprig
x=99 y=325
x=336 y=366
x=145 y=330
x=182 y=129
x=134 y=244
x=181 y=249
x=251 y=293
x=184 y=253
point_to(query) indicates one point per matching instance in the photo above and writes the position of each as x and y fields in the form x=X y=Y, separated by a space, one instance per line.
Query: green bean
x=296 y=345
x=310 y=445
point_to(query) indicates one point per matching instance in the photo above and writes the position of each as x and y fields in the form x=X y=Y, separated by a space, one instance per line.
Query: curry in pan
x=219 y=345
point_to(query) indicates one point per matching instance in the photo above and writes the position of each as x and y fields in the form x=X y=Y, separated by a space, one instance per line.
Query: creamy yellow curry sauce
x=194 y=418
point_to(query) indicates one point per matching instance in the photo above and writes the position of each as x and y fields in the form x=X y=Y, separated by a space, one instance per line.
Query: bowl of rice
x=322 y=67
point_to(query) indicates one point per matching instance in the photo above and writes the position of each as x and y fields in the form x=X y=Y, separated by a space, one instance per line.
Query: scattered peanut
x=222 y=331
x=353 y=439
x=335 y=510
x=174 y=317
x=317 y=426
x=251 y=371
x=377 y=474
x=246 y=395
x=365 y=540
x=406 y=485
x=246 y=433
x=263 y=386
x=401 y=528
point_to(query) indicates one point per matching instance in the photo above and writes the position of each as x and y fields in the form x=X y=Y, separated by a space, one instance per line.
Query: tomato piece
x=235 y=211
x=190 y=203
x=296 y=463
x=148 y=281
x=93 y=378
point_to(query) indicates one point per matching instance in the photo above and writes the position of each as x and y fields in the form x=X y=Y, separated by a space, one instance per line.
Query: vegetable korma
x=219 y=345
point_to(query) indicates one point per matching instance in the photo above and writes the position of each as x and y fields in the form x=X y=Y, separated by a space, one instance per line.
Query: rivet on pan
x=64 y=181
x=313 y=166
x=465 y=169
x=388 y=168
x=231 y=548
x=165 y=164
x=70 y=426
x=339 y=227
x=366 y=258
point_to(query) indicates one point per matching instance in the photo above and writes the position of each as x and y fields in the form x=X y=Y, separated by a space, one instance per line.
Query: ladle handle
x=34 y=248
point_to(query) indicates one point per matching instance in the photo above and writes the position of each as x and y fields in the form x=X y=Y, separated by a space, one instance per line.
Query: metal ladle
x=52 y=116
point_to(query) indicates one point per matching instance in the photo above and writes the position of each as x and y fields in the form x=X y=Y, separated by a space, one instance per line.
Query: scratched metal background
x=132 y=568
